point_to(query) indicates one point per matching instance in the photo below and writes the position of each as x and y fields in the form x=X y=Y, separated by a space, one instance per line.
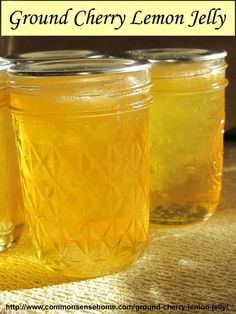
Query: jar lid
x=78 y=67
x=54 y=55
x=176 y=55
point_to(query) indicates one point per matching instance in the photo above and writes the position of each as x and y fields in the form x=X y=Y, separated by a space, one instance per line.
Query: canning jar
x=187 y=125
x=51 y=55
x=11 y=215
x=82 y=138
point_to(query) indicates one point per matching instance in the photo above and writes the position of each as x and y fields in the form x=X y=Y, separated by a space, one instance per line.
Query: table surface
x=191 y=265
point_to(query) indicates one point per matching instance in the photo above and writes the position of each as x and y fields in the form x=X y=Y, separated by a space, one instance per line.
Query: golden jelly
x=82 y=137
x=11 y=214
x=187 y=124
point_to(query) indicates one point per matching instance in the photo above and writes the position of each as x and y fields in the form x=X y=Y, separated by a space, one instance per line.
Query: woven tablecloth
x=193 y=265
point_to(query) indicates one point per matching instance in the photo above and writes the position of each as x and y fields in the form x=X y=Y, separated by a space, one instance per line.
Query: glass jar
x=51 y=55
x=82 y=137
x=11 y=215
x=187 y=125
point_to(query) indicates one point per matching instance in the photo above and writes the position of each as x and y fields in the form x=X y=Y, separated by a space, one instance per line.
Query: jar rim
x=76 y=67
x=54 y=55
x=176 y=55
x=4 y=64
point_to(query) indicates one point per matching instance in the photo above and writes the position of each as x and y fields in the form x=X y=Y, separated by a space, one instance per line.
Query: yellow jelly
x=11 y=216
x=82 y=134
x=187 y=124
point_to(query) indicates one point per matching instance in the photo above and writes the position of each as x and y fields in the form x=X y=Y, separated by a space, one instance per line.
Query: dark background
x=15 y=45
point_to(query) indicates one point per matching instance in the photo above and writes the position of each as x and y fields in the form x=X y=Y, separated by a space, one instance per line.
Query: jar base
x=6 y=241
x=78 y=269
x=181 y=215
x=8 y=238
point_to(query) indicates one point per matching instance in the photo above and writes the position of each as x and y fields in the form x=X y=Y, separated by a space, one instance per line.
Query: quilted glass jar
x=82 y=138
x=187 y=125
x=11 y=215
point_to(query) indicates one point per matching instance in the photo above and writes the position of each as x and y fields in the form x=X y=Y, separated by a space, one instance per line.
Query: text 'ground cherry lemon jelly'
x=187 y=123
x=82 y=136
x=11 y=215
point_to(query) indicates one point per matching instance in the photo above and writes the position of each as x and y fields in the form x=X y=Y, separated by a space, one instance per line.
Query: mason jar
x=51 y=55
x=11 y=213
x=187 y=126
x=82 y=138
